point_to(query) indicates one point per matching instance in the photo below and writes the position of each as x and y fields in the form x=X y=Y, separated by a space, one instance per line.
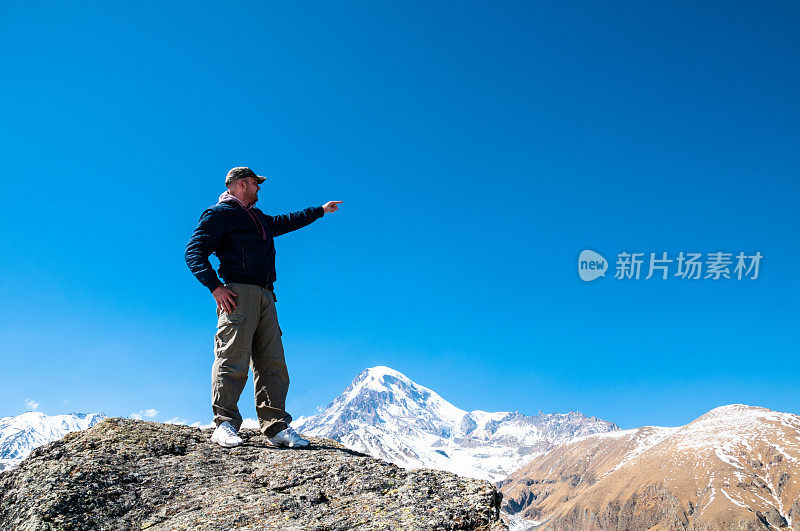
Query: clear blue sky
x=478 y=148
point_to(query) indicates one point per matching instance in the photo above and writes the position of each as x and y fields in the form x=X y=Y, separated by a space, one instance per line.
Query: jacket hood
x=227 y=197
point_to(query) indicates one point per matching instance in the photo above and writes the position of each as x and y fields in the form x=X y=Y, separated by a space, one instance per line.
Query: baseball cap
x=241 y=172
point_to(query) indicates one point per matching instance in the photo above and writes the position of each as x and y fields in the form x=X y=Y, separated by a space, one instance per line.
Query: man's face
x=251 y=188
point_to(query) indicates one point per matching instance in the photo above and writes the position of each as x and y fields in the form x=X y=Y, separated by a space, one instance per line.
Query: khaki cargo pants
x=250 y=336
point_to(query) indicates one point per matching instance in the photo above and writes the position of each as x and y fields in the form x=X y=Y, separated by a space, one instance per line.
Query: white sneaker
x=225 y=436
x=288 y=437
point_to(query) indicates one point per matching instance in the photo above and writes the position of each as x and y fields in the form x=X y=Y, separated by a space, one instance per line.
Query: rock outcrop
x=129 y=474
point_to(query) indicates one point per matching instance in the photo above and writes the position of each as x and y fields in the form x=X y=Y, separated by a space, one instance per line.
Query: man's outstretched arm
x=297 y=220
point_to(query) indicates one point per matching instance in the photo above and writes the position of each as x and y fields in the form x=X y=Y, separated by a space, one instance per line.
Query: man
x=247 y=324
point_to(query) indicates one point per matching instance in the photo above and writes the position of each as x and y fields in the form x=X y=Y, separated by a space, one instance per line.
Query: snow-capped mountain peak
x=383 y=396
x=386 y=414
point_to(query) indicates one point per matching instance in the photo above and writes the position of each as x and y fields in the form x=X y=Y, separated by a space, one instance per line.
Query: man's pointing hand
x=331 y=206
x=224 y=298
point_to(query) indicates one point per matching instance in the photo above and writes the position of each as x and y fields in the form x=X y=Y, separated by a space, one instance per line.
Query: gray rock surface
x=129 y=474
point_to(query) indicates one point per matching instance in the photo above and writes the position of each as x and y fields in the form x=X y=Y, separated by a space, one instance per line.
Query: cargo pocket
x=229 y=326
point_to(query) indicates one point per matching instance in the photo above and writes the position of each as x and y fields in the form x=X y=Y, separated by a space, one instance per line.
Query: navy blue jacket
x=246 y=251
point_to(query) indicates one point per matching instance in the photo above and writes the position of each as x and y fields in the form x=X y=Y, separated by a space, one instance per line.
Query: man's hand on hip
x=331 y=206
x=224 y=298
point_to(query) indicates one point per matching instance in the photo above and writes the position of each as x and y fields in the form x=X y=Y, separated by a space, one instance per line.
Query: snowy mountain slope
x=736 y=466
x=385 y=414
x=21 y=434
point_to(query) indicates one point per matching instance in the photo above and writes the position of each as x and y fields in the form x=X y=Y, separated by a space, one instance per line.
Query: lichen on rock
x=130 y=474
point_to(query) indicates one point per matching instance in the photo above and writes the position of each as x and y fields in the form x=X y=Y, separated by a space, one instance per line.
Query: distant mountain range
x=386 y=415
x=736 y=467
x=21 y=434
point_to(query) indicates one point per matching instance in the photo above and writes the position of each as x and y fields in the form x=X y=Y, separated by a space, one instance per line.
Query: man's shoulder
x=217 y=215
x=220 y=208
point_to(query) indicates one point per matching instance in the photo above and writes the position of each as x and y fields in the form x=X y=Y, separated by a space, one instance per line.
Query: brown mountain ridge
x=736 y=467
